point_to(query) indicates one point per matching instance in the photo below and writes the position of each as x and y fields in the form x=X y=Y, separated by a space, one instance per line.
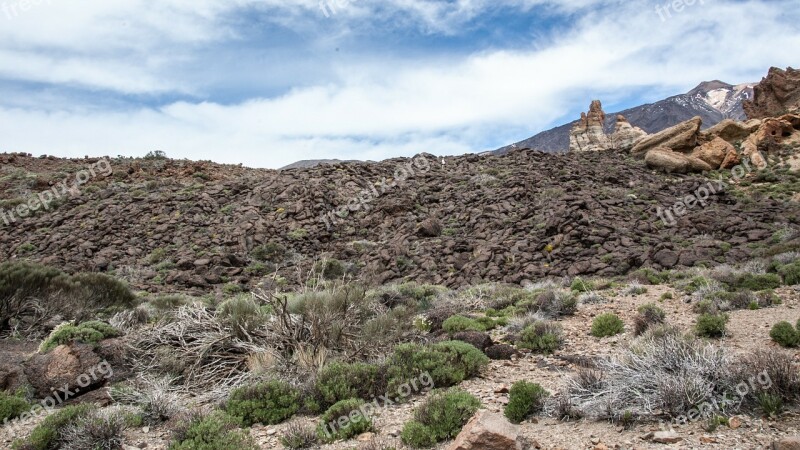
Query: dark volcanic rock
x=478 y=218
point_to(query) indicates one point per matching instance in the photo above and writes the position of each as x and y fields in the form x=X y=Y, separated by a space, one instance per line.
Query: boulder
x=429 y=228
x=625 y=135
x=487 y=431
x=714 y=152
x=478 y=339
x=66 y=366
x=680 y=138
x=673 y=162
x=588 y=134
x=776 y=94
x=500 y=352
x=731 y=130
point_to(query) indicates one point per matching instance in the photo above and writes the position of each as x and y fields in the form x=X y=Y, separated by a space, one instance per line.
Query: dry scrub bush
x=31 y=295
x=270 y=334
x=661 y=371
x=154 y=397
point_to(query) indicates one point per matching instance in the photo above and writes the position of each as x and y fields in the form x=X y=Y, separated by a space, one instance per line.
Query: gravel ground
x=748 y=330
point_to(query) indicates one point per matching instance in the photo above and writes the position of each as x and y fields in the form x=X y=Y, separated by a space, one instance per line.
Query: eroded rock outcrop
x=777 y=94
x=680 y=138
x=625 y=135
x=588 y=134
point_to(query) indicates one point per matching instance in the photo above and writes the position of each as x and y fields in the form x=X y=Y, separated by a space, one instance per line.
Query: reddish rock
x=487 y=431
x=776 y=94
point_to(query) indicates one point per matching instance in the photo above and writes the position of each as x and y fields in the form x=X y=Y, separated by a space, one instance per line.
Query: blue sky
x=269 y=82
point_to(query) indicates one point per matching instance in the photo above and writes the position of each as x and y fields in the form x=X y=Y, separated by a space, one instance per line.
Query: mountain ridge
x=713 y=101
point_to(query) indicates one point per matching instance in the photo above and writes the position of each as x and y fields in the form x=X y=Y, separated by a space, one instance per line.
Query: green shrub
x=448 y=363
x=30 y=292
x=341 y=381
x=216 y=431
x=756 y=282
x=711 y=325
x=790 y=274
x=785 y=334
x=647 y=316
x=607 y=325
x=269 y=252
x=105 y=291
x=417 y=435
x=268 y=403
x=542 y=337
x=771 y=404
x=581 y=285
x=455 y=324
x=12 y=406
x=46 y=435
x=555 y=303
x=169 y=302
x=344 y=420
x=524 y=400
x=243 y=315
x=330 y=269
x=90 y=332
x=441 y=417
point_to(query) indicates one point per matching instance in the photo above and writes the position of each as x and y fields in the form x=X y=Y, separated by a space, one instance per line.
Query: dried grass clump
x=100 y=430
x=155 y=398
x=662 y=371
x=201 y=351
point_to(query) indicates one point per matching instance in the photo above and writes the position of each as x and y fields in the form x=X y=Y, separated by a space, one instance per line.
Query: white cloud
x=379 y=108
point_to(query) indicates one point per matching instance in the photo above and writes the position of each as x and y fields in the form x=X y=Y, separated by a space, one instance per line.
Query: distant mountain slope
x=309 y=163
x=713 y=101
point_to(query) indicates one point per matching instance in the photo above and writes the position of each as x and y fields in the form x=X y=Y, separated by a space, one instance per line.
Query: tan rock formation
x=772 y=132
x=625 y=135
x=731 y=130
x=680 y=138
x=663 y=158
x=588 y=134
x=714 y=152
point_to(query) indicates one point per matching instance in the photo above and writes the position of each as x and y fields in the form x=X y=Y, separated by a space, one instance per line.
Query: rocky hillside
x=712 y=101
x=178 y=225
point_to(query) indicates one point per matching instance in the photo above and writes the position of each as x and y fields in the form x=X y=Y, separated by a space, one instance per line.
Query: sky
x=266 y=83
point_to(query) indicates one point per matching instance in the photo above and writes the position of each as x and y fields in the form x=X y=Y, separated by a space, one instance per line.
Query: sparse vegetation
x=608 y=324
x=268 y=403
x=215 y=431
x=524 y=400
x=87 y=332
x=441 y=417
x=647 y=316
x=785 y=334
x=711 y=325
x=541 y=337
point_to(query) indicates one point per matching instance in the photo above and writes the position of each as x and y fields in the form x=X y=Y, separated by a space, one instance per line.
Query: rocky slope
x=525 y=215
x=713 y=101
